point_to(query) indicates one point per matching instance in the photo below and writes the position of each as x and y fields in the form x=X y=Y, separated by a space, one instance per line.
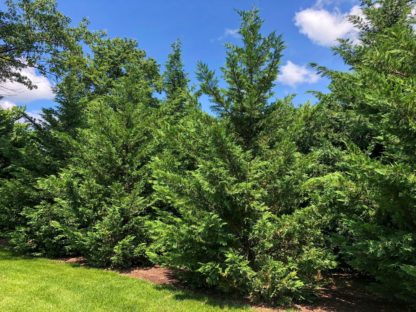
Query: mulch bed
x=156 y=275
x=75 y=260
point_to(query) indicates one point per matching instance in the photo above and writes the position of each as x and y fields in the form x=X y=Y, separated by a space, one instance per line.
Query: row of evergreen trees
x=261 y=199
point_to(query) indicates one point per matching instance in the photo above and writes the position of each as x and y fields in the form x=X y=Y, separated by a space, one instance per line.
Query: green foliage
x=96 y=205
x=371 y=211
x=370 y=197
x=261 y=199
x=291 y=251
x=175 y=79
x=250 y=73
x=9 y=138
x=221 y=233
x=233 y=183
x=21 y=162
x=32 y=32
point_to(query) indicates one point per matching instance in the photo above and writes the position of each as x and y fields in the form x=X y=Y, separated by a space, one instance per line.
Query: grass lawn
x=28 y=284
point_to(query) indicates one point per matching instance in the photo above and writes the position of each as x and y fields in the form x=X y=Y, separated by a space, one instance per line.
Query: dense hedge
x=260 y=199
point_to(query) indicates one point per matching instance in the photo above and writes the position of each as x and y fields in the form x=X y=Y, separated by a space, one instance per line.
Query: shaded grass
x=36 y=284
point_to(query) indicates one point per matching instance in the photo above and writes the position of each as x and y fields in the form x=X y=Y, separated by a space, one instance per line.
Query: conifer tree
x=175 y=79
x=259 y=199
x=33 y=34
x=250 y=72
x=371 y=197
x=96 y=205
x=227 y=182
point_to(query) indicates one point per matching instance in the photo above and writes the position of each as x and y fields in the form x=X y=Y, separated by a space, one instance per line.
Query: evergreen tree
x=33 y=34
x=229 y=180
x=96 y=206
x=175 y=79
x=10 y=141
x=21 y=163
x=370 y=196
x=84 y=77
x=179 y=99
x=258 y=200
x=250 y=73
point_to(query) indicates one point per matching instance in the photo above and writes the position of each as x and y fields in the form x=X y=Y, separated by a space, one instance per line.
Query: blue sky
x=309 y=28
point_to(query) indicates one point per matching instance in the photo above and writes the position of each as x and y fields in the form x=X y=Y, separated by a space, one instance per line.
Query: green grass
x=34 y=284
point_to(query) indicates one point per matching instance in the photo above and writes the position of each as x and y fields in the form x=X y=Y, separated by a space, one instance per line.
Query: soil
x=75 y=260
x=156 y=275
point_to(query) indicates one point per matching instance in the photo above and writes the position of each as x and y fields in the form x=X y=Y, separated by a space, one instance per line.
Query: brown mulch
x=75 y=260
x=156 y=275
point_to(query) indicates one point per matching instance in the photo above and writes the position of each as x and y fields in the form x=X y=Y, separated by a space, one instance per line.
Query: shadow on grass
x=6 y=253
x=211 y=298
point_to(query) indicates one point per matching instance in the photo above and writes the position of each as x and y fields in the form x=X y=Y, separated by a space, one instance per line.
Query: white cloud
x=231 y=33
x=4 y=104
x=228 y=32
x=324 y=27
x=292 y=74
x=16 y=92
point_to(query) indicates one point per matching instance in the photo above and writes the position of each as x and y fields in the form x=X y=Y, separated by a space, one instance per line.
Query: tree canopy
x=263 y=198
